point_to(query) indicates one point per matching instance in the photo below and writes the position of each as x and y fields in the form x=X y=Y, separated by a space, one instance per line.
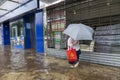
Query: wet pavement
x=27 y=65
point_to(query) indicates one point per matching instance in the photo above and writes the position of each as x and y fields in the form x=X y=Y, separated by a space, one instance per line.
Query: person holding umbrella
x=75 y=45
x=77 y=32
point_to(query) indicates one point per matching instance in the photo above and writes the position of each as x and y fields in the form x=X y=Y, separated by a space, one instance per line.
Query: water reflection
x=22 y=60
x=4 y=57
x=17 y=59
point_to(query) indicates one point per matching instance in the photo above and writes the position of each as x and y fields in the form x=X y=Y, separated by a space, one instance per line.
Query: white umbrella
x=79 y=32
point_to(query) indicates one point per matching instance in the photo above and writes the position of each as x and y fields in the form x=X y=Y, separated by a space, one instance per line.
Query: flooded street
x=27 y=65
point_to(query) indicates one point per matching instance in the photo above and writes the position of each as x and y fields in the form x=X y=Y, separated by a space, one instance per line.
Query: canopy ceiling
x=8 y=5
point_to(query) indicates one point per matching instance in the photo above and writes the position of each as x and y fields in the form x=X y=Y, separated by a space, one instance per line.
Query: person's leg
x=72 y=64
x=78 y=54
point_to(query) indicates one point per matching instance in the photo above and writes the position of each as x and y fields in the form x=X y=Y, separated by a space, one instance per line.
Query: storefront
x=22 y=26
x=104 y=17
x=17 y=34
x=56 y=23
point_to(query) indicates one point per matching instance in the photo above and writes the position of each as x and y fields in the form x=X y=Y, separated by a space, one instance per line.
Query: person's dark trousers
x=78 y=54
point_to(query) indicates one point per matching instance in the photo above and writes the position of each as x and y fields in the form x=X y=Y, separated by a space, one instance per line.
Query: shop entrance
x=17 y=34
x=14 y=31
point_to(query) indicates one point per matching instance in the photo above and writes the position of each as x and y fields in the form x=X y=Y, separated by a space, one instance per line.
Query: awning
x=47 y=3
x=8 y=5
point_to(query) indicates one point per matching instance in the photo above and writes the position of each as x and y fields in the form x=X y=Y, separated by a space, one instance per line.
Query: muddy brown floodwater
x=27 y=65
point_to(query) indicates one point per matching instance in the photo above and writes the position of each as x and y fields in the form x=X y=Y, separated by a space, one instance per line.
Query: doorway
x=17 y=34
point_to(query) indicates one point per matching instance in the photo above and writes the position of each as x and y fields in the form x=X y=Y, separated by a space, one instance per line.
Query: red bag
x=71 y=53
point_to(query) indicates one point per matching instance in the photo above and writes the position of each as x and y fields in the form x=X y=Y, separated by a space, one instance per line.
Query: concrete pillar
x=6 y=33
x=39 y=32
x=27 y=33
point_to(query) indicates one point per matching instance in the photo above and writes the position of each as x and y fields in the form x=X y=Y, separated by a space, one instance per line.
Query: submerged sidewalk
x=28 y=65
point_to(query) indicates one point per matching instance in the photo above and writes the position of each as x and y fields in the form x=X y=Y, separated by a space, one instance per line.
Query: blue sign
x=28 y=26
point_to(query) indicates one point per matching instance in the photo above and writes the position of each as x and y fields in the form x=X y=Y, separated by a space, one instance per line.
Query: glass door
x=14 y=31
x=17 y=34
x=13 y=36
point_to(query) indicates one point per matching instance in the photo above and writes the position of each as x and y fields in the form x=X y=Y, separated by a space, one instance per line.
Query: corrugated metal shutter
x=111 y=59
x=107 y=39
x=101 y=58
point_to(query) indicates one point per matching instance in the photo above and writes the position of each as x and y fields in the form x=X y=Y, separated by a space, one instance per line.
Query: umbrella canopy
x=79 y=32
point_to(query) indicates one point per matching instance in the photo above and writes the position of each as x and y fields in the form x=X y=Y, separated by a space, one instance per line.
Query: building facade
x=22 y=26
x=102 y=15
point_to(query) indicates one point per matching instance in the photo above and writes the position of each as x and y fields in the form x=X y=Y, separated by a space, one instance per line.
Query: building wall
x=95 y=13
x=104 y=17
x=84 y=9
x=107 y=39
x=0 y=33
